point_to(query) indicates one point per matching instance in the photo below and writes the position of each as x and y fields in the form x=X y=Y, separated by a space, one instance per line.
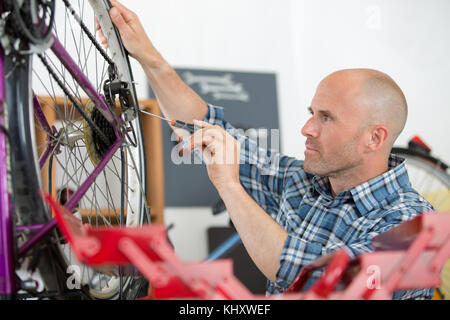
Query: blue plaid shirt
x=317 y=223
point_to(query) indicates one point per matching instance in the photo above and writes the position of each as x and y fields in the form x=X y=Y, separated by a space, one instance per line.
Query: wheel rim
x=430 y=181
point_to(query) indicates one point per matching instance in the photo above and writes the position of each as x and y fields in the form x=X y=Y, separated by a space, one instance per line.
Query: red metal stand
x=409 y=256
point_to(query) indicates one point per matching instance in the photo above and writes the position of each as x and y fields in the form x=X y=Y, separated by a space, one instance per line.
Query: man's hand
x=133 y=35
x=221 y=153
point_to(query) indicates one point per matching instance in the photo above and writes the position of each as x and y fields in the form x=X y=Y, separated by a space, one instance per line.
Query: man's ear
x=378 y=136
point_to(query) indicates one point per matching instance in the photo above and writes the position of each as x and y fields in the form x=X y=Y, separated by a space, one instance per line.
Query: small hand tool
x=183 y=125
x=174 y=123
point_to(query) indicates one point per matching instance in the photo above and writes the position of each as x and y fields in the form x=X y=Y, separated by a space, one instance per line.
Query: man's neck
x=353 y=177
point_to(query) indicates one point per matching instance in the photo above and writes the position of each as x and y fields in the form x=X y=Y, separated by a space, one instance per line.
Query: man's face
x=334 y=131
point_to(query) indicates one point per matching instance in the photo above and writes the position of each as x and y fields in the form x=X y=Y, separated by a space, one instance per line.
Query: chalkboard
x=249 y=101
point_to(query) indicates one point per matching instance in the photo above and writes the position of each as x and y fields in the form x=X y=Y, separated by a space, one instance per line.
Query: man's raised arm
x=176 y=99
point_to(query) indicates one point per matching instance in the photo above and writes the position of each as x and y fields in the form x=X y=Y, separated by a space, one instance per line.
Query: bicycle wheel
x=430 y=178
x=118 y=192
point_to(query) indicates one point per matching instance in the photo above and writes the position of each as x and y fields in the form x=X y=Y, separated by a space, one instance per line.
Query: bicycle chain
x=89 y=34
x=74 y=102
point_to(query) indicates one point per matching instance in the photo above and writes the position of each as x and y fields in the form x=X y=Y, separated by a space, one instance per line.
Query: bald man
x=289 y=212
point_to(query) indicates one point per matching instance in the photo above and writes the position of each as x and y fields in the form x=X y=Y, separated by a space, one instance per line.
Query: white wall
x=407 y=39
x=303 y=41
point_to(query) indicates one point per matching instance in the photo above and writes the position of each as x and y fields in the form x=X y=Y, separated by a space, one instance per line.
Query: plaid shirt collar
x=371 y=194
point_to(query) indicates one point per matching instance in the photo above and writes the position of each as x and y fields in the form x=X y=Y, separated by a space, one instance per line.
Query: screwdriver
x=183 y=125
x=174 y=123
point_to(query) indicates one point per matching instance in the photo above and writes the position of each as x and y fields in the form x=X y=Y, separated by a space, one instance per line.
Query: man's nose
x=310 y=129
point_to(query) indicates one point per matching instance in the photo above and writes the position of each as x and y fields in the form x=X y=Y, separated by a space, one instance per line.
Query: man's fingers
x=210 y=130
x=126 y=13
x=206 y=139
x=201 y=124
x=118 y=19
x=116 y=16
x=197 y=140
x=200 y=137
x=192 y=142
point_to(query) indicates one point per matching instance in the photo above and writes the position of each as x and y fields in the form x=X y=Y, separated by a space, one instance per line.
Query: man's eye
x=326 y=117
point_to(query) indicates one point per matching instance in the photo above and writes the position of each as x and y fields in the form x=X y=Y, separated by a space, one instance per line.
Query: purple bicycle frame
x=7 y=275
x=7 y=267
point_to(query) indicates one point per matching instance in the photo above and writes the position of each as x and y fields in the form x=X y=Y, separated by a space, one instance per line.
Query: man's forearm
x=175 y=98
x=262 y=237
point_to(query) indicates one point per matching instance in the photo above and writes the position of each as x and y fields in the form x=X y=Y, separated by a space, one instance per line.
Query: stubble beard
x=333 y=165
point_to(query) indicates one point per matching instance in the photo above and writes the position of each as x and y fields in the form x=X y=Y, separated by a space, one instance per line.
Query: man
x=290 y=212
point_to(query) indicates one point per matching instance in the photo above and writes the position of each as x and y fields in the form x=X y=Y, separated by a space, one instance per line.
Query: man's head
x=357 y=114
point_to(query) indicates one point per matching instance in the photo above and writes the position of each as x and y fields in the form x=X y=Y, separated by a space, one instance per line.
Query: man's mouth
x=310 y=149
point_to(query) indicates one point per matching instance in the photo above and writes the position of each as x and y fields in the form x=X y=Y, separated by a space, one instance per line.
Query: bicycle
x=31 y=47
x=59 y=83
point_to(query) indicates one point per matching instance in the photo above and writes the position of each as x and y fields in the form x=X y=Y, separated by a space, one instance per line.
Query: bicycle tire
x=29 y=209
x=26 y=175
x=431 y=176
